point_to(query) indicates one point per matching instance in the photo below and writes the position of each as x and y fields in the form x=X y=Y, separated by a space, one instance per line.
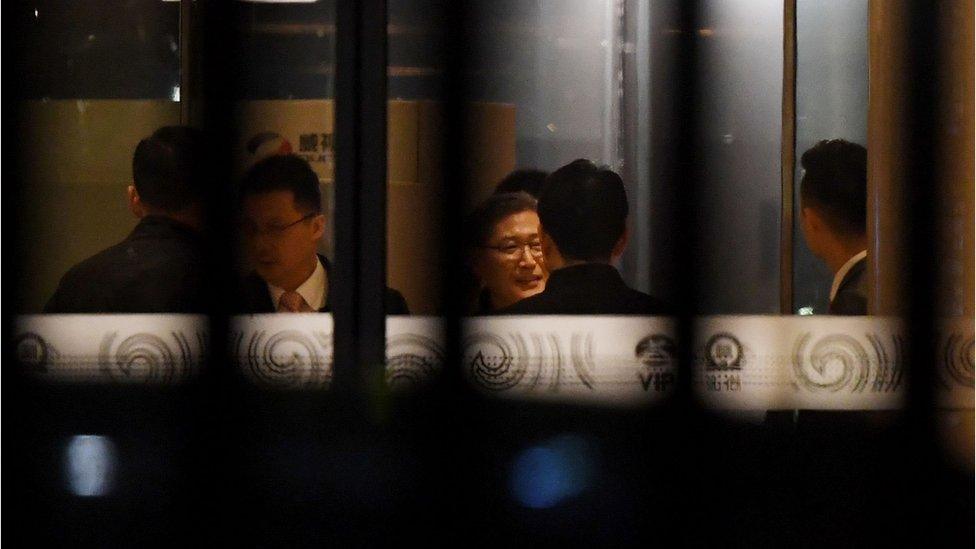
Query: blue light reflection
x=545 y=475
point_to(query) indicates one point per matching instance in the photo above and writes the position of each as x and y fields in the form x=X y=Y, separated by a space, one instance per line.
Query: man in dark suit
x=837 y=449
x=160 y=267
x=833 y=205
x=282 y=224
x=583 y=228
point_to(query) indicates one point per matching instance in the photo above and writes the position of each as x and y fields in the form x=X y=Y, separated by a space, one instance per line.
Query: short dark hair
x=168 y=168
x=528 y=180
x=583 y=208
x=835 y=184
x=481 y=222
x=285 y=172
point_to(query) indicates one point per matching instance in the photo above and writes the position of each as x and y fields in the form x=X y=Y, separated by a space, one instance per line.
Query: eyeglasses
x=251 y=230
x=514 y=251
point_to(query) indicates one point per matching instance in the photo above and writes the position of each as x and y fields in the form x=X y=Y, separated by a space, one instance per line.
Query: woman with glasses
x=505 y=254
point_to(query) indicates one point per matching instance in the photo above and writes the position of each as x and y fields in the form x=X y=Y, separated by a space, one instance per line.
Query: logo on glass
x=723 y=352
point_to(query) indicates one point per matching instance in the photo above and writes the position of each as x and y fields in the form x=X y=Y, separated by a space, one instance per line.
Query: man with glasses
x=282 y=225
x=583 y=229
x=161 y=267
x=505 y=254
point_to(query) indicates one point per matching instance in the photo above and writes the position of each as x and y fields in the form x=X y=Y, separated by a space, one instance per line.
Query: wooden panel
x=490 y=148
x=788 y=161
x=886 y=158
x=954 y=178
x=956 y=148
x=886 y=99
x=956 y=132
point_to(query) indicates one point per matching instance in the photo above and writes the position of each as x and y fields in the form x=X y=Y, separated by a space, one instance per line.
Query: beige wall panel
x=305 y=127
x=411 y=222
x=490 y=148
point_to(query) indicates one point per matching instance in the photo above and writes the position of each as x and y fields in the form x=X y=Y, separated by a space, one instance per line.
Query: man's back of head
x=835 y=185
x=162 y=265
x=527 y=180
x=834 y=218
x=583 y=217
x=168 y=169
x=583 y=209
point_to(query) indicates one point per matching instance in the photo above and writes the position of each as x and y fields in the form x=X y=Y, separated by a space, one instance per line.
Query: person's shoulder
x=81 y=288
x=252 y=295
x=647 y=304
x=105 y=260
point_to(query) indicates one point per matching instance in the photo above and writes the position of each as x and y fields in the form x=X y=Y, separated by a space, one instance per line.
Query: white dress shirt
x=842 y=272
x=312 y=290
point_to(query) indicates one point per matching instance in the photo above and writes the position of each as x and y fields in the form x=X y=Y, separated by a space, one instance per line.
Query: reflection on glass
x=288 y=48
x=101 y=49
x=545 y=475
x=90 y=462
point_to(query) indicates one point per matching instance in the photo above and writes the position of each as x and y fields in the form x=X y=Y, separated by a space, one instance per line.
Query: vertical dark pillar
x=359 y=276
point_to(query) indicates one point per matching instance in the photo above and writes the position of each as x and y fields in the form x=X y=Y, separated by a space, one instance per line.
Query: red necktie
x=293 y=302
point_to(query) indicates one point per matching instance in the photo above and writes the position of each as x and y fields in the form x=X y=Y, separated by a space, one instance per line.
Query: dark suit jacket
x=852 y=294
x=159 y=268
x=589 y=289
x=832 y=444
x=256 y=299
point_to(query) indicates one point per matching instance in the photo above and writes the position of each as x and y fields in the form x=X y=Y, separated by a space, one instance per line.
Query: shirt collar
x=842 y=272
x=312 y=290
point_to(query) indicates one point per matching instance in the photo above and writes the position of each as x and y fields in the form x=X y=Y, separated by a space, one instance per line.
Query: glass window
x=97 y=78
x=106 y=49
x=831 y=103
